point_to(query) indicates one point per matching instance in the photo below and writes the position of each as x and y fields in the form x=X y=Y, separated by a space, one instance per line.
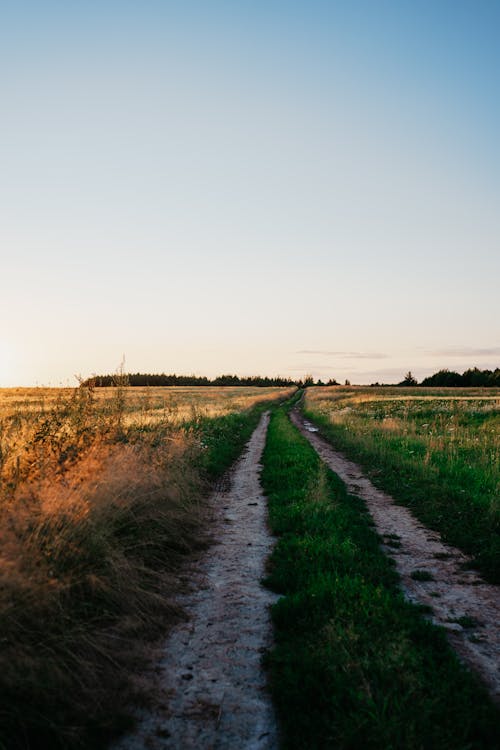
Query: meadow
x=101 y=501
x=355 y=665
x=435 y=450
x=43 y=427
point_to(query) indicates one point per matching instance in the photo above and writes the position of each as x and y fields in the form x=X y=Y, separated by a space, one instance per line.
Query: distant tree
x=409 y=380
x=477 y=378
x=443 y=379
x=347 y=382
x=332 y=381
x=471 y=378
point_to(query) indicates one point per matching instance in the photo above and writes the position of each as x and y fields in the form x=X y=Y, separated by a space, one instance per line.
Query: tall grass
x=355 y=666
x=440 y=456
x=97 y=514
x=43 y=427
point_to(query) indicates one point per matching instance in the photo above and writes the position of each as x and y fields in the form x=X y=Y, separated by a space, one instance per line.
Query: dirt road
x=461 y=602
x=211 y=677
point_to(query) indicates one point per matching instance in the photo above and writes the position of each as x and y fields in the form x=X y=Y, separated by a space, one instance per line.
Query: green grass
x=440 y=457
x=223 y=438
x=422 y=575
x=354 y=666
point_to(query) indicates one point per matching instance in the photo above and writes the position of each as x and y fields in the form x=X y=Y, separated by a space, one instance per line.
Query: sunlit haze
x=258 y=188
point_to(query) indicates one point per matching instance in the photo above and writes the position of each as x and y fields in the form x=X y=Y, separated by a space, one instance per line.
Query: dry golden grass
x=100 y=500
x=44 y=429
x=176 y=401
x=92 y=530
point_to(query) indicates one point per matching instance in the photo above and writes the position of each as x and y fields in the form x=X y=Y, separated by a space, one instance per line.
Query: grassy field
x=176 y=401
x=41 y=427
x=437 y=451
x=101 y=499
x=355 y=666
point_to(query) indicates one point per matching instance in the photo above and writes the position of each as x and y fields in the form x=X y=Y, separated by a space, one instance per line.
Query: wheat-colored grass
x=100 y=500
x=43 y=427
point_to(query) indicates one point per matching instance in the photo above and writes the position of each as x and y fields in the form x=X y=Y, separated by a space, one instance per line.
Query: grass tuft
x=422 y=575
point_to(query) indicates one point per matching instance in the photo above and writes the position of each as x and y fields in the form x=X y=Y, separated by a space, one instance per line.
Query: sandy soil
x=453 y=592
x=212 y=682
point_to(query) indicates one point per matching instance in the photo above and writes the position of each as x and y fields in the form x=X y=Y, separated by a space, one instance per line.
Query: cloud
x=465 y=351
x=344 y=355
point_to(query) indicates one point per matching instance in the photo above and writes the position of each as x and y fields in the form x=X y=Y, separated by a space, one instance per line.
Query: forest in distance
x=471 y=378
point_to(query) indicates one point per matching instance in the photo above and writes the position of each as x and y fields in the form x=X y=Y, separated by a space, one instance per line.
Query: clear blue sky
x=273 y=187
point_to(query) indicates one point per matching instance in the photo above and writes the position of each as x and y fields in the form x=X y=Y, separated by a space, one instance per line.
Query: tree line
x=148 y=379
x=471 y=378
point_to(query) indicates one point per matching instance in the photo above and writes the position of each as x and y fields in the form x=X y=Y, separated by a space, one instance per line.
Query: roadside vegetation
x=101 y=500
x=438 y=452
x=355 y=665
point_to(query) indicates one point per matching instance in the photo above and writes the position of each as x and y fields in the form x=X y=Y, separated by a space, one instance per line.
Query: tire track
x=460 y=600
x=211 y=676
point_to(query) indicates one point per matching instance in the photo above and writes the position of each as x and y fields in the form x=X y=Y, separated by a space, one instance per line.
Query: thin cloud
x=344 y=355
x=466 y=351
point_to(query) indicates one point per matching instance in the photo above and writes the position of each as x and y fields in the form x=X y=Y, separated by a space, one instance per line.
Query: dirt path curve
x=453 y=592
x=211 y=673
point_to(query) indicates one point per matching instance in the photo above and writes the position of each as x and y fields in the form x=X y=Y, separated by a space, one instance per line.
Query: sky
x=252 y=187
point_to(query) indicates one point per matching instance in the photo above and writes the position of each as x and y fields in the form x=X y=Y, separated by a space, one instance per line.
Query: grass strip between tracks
x=448 y=496
x=355 y=665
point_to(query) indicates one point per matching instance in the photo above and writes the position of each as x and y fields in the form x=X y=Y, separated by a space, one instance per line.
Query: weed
x=392 y=543
x=468 y=622
x=422 y=575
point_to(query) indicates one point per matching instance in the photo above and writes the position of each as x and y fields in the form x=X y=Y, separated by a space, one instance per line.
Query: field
x=101 y=499
x=437 y=451
x=355 y=665
x=41 y=425
x=147 y=402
